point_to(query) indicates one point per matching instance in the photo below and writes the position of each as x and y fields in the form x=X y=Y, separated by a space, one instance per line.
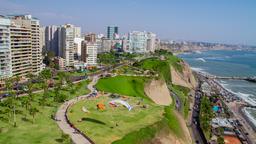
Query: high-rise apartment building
x=137 y=42
x=5 y=49
x=42 y=38
x=151 y=42
x=90 y=37
x=141 y=42
x=29 y=23
x=89 y=53
x=21 y=50
x=66 y=43
x=77 y=32
x=77 y=48
x=111 y=32
x=52 y=39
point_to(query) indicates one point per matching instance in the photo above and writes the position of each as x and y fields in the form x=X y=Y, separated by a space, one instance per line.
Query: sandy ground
x=158 y=91
x=165 y=137
x=185 y=78
x=187 y=139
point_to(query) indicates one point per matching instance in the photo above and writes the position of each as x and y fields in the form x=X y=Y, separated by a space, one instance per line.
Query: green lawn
x=175 y=62
x=125 y=85
x=113 y=124
x=169 y=124
x=44 y=130
x=162 y=67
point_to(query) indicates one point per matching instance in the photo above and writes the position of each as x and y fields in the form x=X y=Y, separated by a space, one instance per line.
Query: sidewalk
x=62 y=121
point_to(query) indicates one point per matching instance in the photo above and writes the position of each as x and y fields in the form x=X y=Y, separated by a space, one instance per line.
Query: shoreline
x=248 y=117
x=235 y=104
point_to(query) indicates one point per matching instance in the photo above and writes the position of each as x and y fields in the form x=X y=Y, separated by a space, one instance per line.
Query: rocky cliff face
x=158 y=91
x=184 y=78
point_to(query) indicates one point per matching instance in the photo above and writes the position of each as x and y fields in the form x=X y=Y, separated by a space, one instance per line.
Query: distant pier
x=209 y=76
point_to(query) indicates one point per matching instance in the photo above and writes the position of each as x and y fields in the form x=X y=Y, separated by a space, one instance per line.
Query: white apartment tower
x=151 y=42
x=137 y=42
x=31 y=24
x=141 y=42
x=66 y=44
x=5 y=49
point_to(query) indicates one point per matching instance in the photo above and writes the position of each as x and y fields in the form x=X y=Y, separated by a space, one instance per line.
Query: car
x=6 y=95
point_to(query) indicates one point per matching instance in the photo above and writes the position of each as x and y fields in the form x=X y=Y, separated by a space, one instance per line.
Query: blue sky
x=225 y=21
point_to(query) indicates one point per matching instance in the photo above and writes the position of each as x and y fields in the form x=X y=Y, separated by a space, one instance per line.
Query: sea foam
x=247 y=112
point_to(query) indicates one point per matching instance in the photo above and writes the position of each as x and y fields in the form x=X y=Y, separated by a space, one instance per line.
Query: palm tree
x=30 y=86
x=11 y=100
x=33 y=111
x=71 y=85
x=45 y=75
x=25 y=102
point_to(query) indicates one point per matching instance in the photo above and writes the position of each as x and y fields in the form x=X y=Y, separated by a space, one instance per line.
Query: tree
x=25 y=102
x=45 y=75
x=48 y=59
x=11 y=100
x=220 y=140
x=70 y=85
x=62 y=79
x=33 y=110
x=29 y=87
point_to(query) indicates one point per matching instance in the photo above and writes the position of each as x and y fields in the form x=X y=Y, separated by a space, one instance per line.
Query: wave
x=252 y=118
x=246 y=97
x=223 y=83
x=198 y=52
x=215 y=58
x=198 y=69
x=201 y=59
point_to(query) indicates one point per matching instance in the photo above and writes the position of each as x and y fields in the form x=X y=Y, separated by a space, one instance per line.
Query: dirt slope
x=157 y=90
x=184 y=78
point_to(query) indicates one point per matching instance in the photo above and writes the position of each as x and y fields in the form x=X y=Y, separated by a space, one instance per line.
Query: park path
x=62 y=121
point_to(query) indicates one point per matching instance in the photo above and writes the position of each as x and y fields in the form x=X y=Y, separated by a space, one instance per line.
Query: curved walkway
x=63 y=123
x=61 y=117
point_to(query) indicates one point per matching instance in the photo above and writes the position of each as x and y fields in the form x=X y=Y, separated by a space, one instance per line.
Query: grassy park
x=42 y=128
x=139 y=125
x=113 y=123
x=125 y=85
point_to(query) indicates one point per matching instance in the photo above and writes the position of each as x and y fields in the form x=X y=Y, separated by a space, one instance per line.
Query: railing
x=76 y=129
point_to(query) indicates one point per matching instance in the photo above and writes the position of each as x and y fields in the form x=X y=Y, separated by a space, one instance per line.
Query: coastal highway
x=246 y=134
x=198 y=134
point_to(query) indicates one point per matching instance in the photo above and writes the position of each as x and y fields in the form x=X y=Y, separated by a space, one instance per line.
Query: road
x=195 y=124
x=247 y=135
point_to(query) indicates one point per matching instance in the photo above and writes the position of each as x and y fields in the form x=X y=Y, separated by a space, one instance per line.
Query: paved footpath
x=60 y=116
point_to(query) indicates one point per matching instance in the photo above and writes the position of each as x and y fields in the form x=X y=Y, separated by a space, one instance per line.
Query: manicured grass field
x=113 y=123
x=130 y=86
x=44 y=130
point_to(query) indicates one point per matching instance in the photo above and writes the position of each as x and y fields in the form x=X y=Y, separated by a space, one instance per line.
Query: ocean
x=228 y=63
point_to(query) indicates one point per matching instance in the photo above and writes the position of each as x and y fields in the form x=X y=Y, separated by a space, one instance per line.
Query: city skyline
x=228 y=21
